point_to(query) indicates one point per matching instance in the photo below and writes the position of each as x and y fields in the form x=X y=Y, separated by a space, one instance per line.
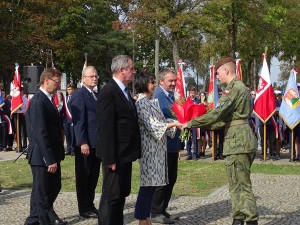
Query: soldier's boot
x=252 y=222
x=238 y=222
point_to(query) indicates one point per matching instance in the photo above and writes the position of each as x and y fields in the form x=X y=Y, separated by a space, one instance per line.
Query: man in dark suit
x=67 y=122
x=87 y=165
x=162 y=195
x=45 y=151
x=118 y=140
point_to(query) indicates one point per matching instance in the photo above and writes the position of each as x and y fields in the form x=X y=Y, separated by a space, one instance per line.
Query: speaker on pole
x=31 y=78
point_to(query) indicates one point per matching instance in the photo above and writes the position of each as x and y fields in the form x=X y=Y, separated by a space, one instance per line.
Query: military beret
x=224 y=61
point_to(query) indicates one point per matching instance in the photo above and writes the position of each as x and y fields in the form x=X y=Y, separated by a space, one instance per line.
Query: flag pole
x=213 y=145
x=18 y=132
x=265 y=126
x=265 y=141
x=292 y=146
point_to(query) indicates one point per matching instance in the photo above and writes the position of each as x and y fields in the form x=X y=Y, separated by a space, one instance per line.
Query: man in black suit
x=87 y=165
x=45 y=151
x=118 y=140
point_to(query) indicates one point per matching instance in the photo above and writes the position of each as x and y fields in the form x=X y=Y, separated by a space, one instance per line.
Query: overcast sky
x=274 y=70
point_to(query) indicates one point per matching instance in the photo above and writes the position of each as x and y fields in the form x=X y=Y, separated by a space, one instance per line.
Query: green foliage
x=194 y=30
x=205 y=177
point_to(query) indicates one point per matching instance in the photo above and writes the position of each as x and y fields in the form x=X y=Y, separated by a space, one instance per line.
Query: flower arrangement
x=186 y=111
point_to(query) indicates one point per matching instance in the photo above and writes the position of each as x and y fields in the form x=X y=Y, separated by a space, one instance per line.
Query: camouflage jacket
x=232 y=113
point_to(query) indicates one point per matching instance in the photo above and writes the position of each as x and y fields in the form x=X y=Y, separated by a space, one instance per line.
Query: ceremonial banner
x=213 y=95
x=239 y=69
x=264 y=104
x=16 y=101
x=290 y=106
x=180 y=83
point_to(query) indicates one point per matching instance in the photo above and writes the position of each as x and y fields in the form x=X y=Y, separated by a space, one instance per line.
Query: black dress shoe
x=252 y=222
x=162 y=219
x=237 y=222
x=95 y=211
x=59 y=222
x=35 y=223
x=169 y=216
x=89 y=214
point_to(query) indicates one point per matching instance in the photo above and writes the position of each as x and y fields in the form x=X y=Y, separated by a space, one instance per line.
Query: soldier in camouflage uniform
x=240 y=144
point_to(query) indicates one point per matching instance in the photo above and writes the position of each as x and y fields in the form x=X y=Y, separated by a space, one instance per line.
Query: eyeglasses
x=152 y=82
x=56 y=81
x=91 y=77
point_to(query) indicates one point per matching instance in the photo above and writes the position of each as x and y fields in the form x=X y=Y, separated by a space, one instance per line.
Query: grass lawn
x=194 y=178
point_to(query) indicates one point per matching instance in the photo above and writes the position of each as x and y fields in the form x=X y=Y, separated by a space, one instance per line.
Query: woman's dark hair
x=141 y=81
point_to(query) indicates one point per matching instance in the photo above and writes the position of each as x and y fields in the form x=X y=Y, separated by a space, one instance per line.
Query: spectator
x=154 y=129
x=202 y=142
x=162 y=195
x=45 y=151
x=67 y=123
x=192 y=140
x=87 y=166
x=119 y=141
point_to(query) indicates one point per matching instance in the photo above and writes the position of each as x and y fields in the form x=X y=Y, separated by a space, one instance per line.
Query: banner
x=264 y=103
x=16 y=101
x=290 y=106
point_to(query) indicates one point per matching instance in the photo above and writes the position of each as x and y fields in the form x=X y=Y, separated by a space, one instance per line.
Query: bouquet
x=186 y=112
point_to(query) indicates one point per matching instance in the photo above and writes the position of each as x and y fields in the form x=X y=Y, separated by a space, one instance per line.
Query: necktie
x=171 y=96
x=94 y=96
x=127 y=94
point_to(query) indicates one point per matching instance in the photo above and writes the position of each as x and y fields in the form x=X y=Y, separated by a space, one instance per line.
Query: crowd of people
x=278 y=134
x=112 y=130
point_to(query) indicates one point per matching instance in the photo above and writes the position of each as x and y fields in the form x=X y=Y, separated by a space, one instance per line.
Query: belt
x=235 y=123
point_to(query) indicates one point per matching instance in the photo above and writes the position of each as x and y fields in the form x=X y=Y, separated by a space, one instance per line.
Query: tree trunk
x=175 y=51
x=233 y=29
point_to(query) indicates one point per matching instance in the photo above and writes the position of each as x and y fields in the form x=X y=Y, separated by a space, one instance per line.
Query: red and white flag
x=238 y=64
x=16 y=101
x=264 y=104
x=180 y=83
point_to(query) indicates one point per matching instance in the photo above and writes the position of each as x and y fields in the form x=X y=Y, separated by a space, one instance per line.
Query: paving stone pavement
x=278 y=200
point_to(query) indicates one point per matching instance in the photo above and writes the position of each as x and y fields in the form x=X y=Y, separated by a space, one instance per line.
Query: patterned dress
x=153 y=129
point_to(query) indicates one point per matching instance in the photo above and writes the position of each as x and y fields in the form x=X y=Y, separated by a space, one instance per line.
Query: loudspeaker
x=31 y=79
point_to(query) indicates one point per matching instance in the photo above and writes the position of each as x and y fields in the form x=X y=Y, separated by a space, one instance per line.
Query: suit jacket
x=165 y=102
x=45 y=132
x=83 y=110
x=118 y=130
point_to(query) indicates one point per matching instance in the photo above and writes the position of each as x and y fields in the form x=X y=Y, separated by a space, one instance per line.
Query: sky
x=274 y=70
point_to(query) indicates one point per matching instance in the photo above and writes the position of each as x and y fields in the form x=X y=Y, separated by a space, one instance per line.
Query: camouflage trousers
x=240 y=187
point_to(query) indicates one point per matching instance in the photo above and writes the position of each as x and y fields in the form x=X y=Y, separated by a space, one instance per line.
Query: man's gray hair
x=164 y=71
x=119 y=61
x=88 y=67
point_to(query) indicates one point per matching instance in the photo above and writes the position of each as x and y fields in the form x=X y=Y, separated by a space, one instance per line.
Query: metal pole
x=156 y=56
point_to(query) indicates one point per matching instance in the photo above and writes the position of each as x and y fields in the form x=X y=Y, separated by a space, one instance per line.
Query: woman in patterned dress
x=154 y=129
